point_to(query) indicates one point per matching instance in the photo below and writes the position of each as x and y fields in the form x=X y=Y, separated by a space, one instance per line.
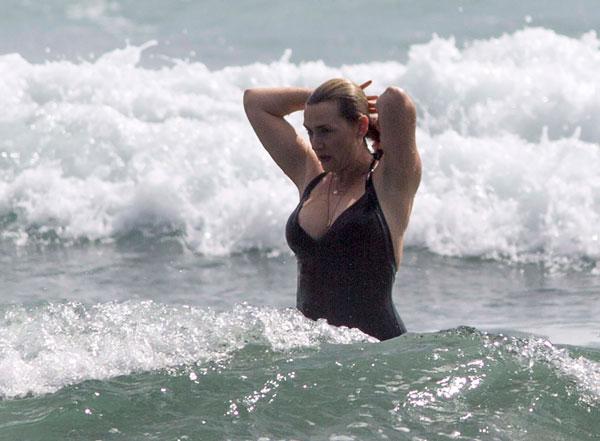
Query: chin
x=327 y=166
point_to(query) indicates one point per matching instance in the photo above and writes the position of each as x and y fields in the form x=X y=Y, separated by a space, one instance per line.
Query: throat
x=348 y=177
x=342 y=183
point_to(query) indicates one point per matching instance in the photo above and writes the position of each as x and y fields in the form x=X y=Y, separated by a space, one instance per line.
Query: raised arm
x=266 y=108
x=400 y=173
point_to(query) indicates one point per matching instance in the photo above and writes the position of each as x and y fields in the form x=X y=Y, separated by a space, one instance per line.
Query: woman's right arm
x=266 y=108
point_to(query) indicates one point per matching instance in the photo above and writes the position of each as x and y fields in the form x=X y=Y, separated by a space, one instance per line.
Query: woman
x=354 y=205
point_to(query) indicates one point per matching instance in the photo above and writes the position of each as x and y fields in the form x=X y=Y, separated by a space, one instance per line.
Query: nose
x=317 y=143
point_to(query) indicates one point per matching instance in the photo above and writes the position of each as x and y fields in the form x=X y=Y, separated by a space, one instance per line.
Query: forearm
x=277 y=101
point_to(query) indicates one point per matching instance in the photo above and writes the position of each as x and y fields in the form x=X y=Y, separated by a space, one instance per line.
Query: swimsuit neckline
x=331 y=227
x=307 y=192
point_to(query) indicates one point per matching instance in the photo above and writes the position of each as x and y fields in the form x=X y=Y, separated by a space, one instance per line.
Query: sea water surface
x=146 y=290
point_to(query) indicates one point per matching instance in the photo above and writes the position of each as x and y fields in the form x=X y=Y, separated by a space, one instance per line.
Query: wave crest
x=508 y=131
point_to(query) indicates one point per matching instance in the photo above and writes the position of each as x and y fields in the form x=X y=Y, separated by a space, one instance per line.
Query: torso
x=345 y=270
x=313 y=217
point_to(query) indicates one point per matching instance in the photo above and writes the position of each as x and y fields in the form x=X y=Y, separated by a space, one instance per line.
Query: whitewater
x=508 y=132
x=147 y=289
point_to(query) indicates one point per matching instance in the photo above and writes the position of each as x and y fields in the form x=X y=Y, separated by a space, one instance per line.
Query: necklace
x=336 y=191
x=330 y=216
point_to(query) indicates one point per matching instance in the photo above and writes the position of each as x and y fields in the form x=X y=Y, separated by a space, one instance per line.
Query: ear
x=363 y=125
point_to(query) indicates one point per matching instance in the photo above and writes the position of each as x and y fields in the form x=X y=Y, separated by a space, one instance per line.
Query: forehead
x=323 y=113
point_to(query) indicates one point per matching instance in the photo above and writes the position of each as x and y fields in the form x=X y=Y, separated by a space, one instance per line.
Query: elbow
x=396 y=93
x=253 y=101
x=397 y=97
x=395 y=101
x=248 y=98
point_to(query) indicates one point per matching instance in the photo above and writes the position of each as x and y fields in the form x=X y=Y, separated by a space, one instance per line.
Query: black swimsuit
x=346 y=276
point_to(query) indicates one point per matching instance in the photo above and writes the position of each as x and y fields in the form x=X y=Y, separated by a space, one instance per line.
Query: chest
x=322 y=210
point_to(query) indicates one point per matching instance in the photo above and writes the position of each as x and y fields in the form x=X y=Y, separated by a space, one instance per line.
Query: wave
x=46 y=347
x=508 y=131
x=249 y=365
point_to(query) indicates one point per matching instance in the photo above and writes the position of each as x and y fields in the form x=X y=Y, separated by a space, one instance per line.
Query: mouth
x=324 y=158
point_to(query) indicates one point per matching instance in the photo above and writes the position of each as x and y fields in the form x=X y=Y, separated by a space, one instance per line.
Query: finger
x=374 y=119
x=365 y=84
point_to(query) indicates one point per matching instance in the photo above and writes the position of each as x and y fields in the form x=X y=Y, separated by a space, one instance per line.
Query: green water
x=457 y=384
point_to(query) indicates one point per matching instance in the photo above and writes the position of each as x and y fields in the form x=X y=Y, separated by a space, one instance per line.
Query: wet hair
x=351 y=99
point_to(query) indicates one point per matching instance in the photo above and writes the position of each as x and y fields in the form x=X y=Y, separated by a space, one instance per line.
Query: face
x=335 y=140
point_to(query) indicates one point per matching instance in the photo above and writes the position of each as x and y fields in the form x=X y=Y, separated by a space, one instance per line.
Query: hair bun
x=372 y=132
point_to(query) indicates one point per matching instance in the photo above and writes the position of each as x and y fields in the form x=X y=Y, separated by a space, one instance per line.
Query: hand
x=372 y=99
x=373 y=116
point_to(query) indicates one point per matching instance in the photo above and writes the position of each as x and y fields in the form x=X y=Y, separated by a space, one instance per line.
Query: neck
x=353 y=171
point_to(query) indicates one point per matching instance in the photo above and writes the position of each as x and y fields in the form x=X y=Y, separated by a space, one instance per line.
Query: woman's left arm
x=400 y=165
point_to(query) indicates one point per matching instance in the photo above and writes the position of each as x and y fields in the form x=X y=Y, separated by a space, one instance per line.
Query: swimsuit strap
x=312 y=184
x=377 y=154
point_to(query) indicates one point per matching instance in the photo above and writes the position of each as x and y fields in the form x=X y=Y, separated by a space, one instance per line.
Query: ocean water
x=146 y=290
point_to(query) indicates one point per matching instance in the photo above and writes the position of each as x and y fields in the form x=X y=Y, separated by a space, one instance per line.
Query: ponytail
x=373 y=131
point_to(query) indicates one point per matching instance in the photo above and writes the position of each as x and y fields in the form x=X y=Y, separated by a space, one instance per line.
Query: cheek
x=323 y=140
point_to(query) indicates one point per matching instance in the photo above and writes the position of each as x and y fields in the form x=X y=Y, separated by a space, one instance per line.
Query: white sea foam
x=48 y=347
x=535 y=350
x=509 y=133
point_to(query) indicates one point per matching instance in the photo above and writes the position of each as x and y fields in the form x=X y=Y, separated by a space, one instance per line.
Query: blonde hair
x=351 y=99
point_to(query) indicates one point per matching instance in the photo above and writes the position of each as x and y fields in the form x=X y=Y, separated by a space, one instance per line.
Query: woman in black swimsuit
x=355 y=204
